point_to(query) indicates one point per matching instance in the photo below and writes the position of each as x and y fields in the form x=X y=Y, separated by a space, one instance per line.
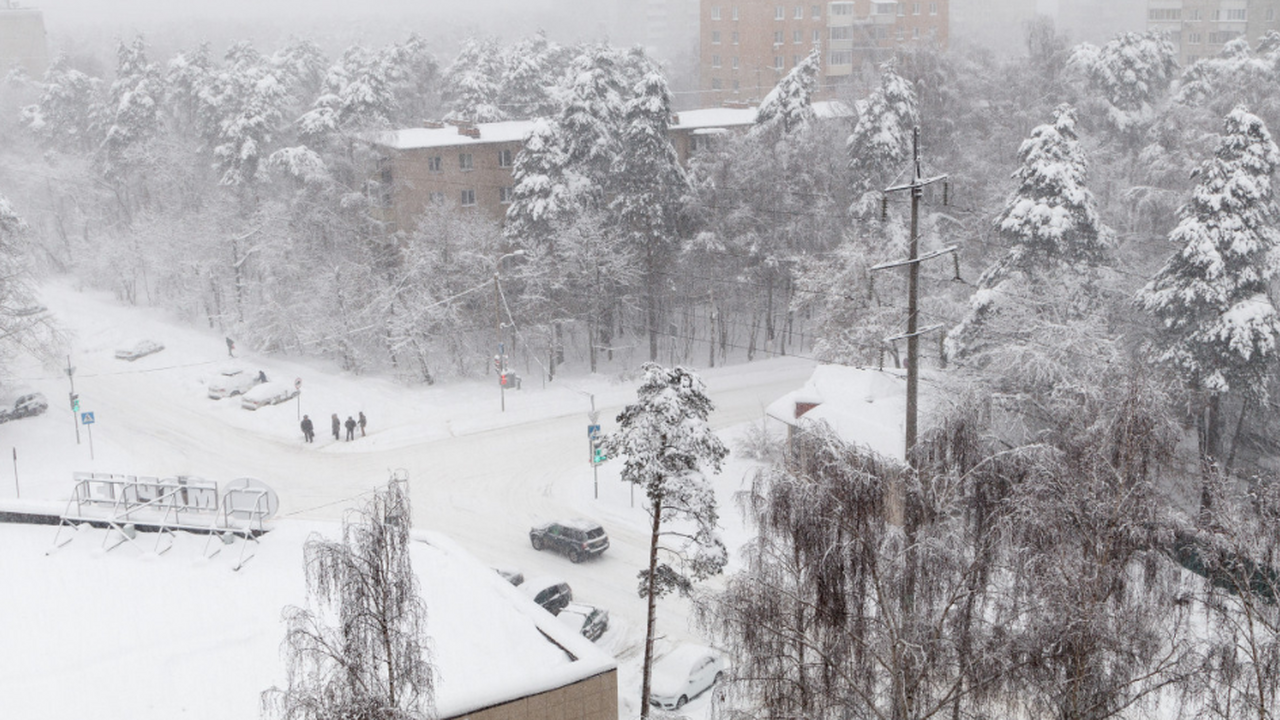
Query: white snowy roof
x=517 y=130
x=866 y=407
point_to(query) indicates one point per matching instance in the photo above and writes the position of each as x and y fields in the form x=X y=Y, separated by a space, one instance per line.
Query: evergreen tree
x=789 y=104
x=650 y=184
x=667 y=443
x=248 y=104
x=358 y=95
x=473 y=82
x=528 y=78
x=1217 y=320
x=65 y=116
x=541 y=199
x=302 y=67
x=1130 y=73
x=592 y=118
x=132 y=113
x=881 y=139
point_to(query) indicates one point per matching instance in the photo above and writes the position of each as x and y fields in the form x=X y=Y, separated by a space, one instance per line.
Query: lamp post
x=500 y=360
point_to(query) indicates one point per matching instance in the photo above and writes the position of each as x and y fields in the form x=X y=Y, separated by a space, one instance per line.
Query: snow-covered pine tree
x=248 y=109
x=132 y=112
x=881 y=139
x=472 y=83
x=302 y=67
x=1218 y=323
x=65 y=115
x=360 y=650
x=414 y=74
x=648 y=189
x=789 y=104
x=541 y=199
x=528 y=78
x=668 y=444
x=592 y=118
x=1130 y=72
x=358 y=95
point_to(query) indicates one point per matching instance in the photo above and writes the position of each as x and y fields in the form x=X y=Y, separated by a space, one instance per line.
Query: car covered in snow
x=268 y=393
x=683 y=674
x=588 y=620
x=233 y=381
x=579 y=539
x=140 y=349
x=25 y=406
x=551 y=593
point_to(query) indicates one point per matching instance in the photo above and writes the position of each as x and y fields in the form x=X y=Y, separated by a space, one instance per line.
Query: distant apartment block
x=1199 y=28
x=668 y=29
x=748 y=45
x=998 y=25
x=22 y=40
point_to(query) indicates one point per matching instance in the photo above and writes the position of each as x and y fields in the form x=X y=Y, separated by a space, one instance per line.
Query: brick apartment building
x=1199 y=28
x=746 y=46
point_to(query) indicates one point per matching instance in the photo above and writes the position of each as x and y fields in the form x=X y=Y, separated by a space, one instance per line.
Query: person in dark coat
x=231 y=346
x=262 y=376
x=308 y=429
x=351 y=428
x=337 y=427
x=361 y=422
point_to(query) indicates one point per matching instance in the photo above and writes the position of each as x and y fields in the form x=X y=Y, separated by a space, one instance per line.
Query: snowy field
x=128 y=633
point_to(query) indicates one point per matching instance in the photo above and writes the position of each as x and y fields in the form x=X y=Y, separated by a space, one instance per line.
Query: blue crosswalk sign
x=86 y=418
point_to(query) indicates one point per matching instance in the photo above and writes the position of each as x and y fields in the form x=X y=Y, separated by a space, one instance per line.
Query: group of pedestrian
x=309 y=428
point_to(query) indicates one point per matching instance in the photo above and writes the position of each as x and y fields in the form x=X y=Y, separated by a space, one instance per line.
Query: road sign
x=86 y=418
x=593 y=430
x=297 y=384
x=594 y=415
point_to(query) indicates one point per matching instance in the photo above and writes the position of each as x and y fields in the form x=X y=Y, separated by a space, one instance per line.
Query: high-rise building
x=22 y=40
x=1199 y=28
x=748 y=45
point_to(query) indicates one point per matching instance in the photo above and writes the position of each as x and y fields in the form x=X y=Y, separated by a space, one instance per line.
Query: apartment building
x=22 y=40
x=746 y=46
x=667 y=29
x=1199 y=28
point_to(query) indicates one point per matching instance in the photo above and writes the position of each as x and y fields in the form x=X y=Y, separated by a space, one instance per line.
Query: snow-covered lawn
x=127 y=633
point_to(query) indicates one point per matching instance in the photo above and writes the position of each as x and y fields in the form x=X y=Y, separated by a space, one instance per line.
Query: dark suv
x=576 y=538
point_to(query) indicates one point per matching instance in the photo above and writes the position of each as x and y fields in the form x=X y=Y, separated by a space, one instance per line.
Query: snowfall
x=88 y=629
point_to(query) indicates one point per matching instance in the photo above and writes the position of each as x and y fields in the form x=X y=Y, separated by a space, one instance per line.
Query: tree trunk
x=652 y=598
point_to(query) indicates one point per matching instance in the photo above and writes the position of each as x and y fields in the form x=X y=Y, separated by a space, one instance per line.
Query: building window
x=1164 y=14
x=883 y=8
x=799 y=12
x=915 y=33
x=1237 y=15
x=797 y=36
x=715 y=61
x=715 y=83
x=778 y=62
x=735 y=12
x=468 y=198
x=902 y=9
x=436 y=198
x=841 y=57
x=901 y=35
x=816 y=11
x=795 y=60
x=715 y=13
x=464 y=161
x=933 y=8
x=1271 y=14
x=735 y=37
x=1195 y=14
x=434 y=164
x=504 y=195
x=1194 y=38
x=715 y=37
x=841 y=8
x=779 y=13
x=777 y=37
x=504 y=158
x=736 y=85
x=1222 y=37
x=735 y=62
x=842 y=33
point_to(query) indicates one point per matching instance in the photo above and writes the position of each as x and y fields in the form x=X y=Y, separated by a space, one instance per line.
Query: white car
x=142 y=348
x=232 y=382
x=268 y=393
x=683 y=674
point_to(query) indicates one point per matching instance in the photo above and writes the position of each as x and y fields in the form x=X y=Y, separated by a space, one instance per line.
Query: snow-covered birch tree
x=668 y=444
x=1218 y=322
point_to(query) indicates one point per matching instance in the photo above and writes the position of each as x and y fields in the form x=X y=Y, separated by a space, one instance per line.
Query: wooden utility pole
x=912 y=336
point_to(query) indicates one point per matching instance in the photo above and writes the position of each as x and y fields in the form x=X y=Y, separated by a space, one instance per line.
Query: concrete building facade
x=1199 y=28
x=22 y=40
x=746 y=46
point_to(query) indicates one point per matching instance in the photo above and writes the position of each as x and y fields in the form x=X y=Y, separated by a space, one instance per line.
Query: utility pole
x=499 y=361
x=75 y=399
x=912 y=336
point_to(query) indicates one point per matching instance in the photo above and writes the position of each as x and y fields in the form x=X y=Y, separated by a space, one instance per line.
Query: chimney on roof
x=432 y=124
x=675 y=118
x=470 y=131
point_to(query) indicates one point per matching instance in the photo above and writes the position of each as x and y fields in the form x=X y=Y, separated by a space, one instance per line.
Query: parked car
x=511 y=575
x=140 y=349
x=589 y=620
x=549 y=592
x=579 y=539
x=683 y=674
x=233 y=381
x=25 y=406
x=268 y=393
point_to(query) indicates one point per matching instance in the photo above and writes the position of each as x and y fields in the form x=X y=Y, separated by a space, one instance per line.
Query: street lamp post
x=500 y=360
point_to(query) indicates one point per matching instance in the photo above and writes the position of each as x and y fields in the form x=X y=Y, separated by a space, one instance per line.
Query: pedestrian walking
x=308 y=429
x=361 y=422
x=231 y=346
x=337 y=427
x=351 y=428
